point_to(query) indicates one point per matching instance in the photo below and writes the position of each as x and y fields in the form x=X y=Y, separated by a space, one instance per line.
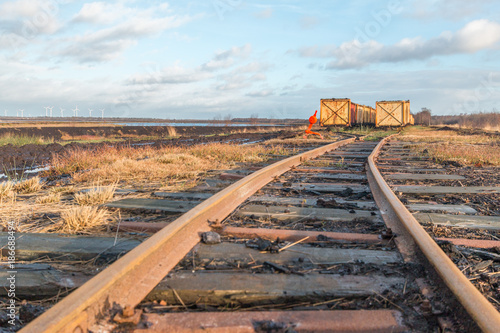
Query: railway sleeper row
x=312 y=239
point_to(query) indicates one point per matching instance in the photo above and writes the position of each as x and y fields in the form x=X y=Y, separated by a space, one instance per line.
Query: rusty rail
x=126 y=282
x=480 y=309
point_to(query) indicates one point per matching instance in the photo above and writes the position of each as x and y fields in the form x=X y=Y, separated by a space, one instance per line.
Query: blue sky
x=209 y=59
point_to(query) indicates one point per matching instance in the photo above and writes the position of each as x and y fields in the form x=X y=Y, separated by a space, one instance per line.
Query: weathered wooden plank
x=184 y=195
x=165 y=205
x=420 y=176
x=301 y=235
x=308 y=201
x=359 y=149
x=202 y=287
x=327 y=256
x=361 y=321
x=394 y=157
x=283 y=213
x=66 y=247
x=424 y=189
x=466 y=221
x=339 y=154
x=337 y=161
x=207 y=287
x=336 y=176
x=38 y=283
x=408 y=168
x=321 y=187
x=463 y=209
x=327 y=170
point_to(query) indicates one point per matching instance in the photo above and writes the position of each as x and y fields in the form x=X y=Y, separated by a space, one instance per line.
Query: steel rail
x=480 y=309
x=126 y=282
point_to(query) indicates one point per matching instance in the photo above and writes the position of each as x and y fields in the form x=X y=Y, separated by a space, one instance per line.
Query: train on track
x=344 y=112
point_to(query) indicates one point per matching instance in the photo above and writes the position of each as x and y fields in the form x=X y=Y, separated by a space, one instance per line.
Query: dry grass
x=95 y=196
x=83 y=219
x=471 y=149
x=53 y=197
x=30 y=185
x=148 y=164
x=7 y=193
x=62 y=189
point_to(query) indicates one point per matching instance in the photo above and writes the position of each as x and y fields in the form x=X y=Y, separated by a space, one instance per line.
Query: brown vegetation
x=449 y=145
x=486 y=120
x=83 y=219
x=152 y=165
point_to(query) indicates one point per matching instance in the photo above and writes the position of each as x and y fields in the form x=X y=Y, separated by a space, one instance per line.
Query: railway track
x=313 y=242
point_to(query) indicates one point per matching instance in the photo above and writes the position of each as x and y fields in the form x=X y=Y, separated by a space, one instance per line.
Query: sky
x=215 y=59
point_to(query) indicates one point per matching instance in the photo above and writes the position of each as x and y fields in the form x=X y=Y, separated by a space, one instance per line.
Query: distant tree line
x=423 y=117
x=485 y=120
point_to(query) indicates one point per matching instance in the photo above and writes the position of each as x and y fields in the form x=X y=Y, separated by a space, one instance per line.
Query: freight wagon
x=335 y=111
x=392 y=113
x=344 y=112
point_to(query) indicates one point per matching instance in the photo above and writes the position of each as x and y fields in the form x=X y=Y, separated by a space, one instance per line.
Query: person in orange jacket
x=312 y=121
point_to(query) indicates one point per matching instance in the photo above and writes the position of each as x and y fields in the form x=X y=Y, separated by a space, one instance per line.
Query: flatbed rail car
x=392 y=113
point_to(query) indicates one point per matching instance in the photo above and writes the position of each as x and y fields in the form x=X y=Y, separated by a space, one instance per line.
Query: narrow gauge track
x=329 y=257
x=459 y=206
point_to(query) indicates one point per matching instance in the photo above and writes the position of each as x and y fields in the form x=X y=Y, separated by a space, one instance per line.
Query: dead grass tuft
x=63 y=189
x=83 y=219
x=95 y=196
x=53 y=197
x=7 y=193
x=30 y=185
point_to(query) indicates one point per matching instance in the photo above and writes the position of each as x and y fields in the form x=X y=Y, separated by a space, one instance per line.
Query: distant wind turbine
x=51 y=111
x=75 y=111
x=62 y=112
x=102 y=113
x=90 y=112
x=22 y=112
x=5 y=112
x=46 y=110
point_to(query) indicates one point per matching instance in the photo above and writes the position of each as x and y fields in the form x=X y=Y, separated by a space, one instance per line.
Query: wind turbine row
x=49 y=109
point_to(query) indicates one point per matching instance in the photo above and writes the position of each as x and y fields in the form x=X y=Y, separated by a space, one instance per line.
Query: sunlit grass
x=7 y=193
x=83 y=219
x=30 y=185
x=53 y=197
x=147 y=164
x=21 y=140
x=95 y=196
x=446 y=145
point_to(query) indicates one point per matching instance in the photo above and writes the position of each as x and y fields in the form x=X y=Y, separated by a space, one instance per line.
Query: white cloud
x=473 y=37
x=102 y=13
x=20 y=8
x=235 y=79
x=449 y=9
x=108 y=43
x=169 y=75
x=225 y=59
x=29 y=18
x=265 y=13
